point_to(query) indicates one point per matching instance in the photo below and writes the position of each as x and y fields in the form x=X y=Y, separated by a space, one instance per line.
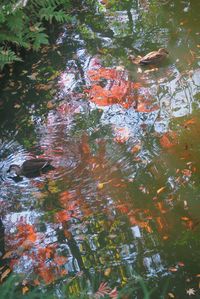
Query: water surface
x=123 y=199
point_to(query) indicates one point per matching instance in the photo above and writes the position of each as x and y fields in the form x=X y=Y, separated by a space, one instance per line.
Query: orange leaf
x=168 y=140
x=190 y=122
x=60 y=260
x=62 y=216
x=136 y=148
x=46 y=275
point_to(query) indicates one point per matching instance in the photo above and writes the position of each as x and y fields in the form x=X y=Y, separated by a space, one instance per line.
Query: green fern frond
x=61 y=16
x=7 y=56
x=15 y=22
x=20 y=25
x=40 y=39
x=37 y=36
x=12 y=38
x=50 y=13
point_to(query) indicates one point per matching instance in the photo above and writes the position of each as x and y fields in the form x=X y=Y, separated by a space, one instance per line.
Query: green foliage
x=50 y=10
x=7 y=56
x=21 y=26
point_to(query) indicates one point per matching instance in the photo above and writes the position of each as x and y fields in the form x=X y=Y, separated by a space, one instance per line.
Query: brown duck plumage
x=151 y=58
x=31 y=168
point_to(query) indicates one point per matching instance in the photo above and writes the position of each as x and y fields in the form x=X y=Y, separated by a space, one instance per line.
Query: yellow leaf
x=171 y=295
x=7 y=254
x=100 y=186
x=107 y=272
x=25 y=290
x=161 y=190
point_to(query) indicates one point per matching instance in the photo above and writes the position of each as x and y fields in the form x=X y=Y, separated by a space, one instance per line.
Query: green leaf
x=7 y=56
x=40 y=39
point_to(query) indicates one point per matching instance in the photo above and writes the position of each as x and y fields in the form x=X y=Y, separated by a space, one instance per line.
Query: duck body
x=31 y=168
x=151 y=58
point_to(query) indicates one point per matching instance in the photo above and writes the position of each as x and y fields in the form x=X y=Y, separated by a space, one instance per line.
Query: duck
x=31 y=168
x=151 y=58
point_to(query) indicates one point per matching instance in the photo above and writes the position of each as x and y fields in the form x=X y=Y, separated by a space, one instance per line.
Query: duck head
x=14 y=168
x=163 y=51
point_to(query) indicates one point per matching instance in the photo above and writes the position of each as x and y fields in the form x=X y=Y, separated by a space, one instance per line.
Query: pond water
x=123 y=200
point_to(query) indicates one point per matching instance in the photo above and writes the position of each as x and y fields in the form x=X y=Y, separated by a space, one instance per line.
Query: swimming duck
x=151 y=58
x=31 y=168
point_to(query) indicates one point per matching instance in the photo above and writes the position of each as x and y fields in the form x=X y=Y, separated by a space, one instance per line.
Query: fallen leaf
x=168 y=140
x=190 y=292
x=107 y=272
x=173 y=269
x=17 y=106
x=5 y=274
x=25 y=290
x=189 y=122
x=32 y=76
x=181 y=264
x=160 y=190
x=100 y=186
x=185 y=218
x=36 y=282
x=7 y=254
x=186 y=172
x=50 y=105
x=171 y=295
x=136 y=148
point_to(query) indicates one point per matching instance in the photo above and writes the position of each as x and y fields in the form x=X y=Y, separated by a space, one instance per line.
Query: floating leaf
x=190 y=291
x=161 y=190
x=173 y=269
x=185 y=218
x=25 y=290
x=168 y=140
x=181 y=264
x=100 y=186
x=5 y=274
x=136 y=148
x=107 y=272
